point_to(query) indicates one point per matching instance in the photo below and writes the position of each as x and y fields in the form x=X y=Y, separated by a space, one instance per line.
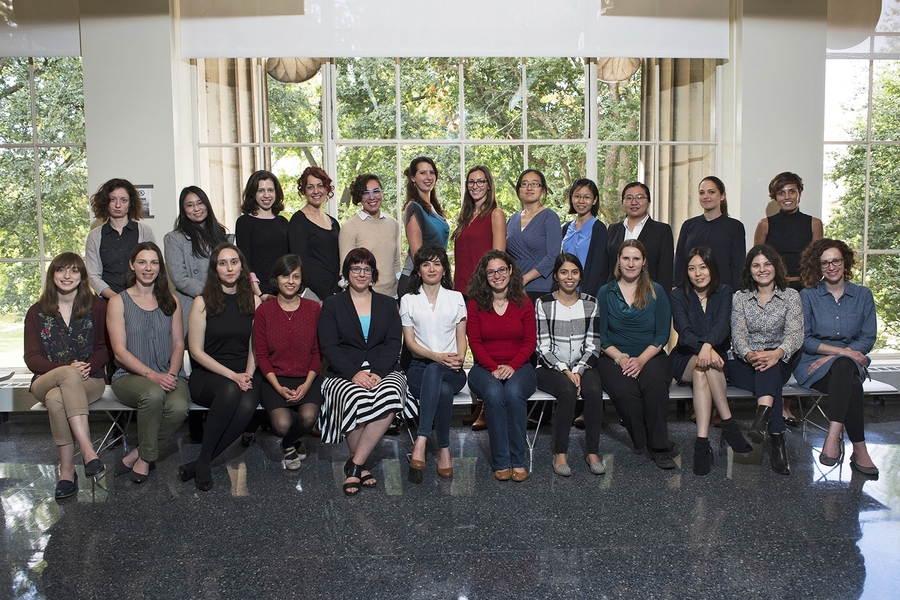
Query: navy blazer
x=596 y=268
x=342 y=342
x=660 y=245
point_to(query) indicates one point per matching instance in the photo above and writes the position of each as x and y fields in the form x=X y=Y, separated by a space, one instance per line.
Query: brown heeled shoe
x=475 y=415
x=502 y=474
x=446 y=473
x=480 y=423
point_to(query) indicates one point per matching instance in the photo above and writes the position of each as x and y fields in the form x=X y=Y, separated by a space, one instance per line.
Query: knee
x=153 y=397
x=69 y=375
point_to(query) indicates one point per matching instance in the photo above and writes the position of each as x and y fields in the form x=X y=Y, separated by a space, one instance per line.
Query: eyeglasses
x=502 y=271
x=837 y=262
x=375 y=192
x=476 y=182
x=530 y=184
x=636 y=198
x=581 y=198
x=356 y=270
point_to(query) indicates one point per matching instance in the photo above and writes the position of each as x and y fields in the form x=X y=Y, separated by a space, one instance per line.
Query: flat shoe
x=792 y=422
x=828 y=461
x=597 y=468
x=502 y=474
x=66 y=488
x=563 y=470
x=246 y=440
x=94 y=467
x=518 y=476
x=300 y=447
x=868 y=471
x=291 y=460
x=663 y=460
x=186 y=472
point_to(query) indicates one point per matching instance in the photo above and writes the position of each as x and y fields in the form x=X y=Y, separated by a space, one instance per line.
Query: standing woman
x=373 y=229
x=65 y=348
x=423 y=216
x=187 y=248
x=359 y=332
x=568 y=349
x=766 y=331
x=533 y=235
x=656 y=237
x=714 y=229
x=434 y=328
x=109 y=246
x=313 y=234
x=223 y=366
x=701 y=310
x=502 y=333
x=287 y=351
x=481 y=225
x=260 y=232
x=585 y=236
x=147 y=336
x=840 y=327
x=635 y=319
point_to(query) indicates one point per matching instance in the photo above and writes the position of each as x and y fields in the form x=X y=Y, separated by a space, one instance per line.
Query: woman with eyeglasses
x=840 y=327
x=313 y=234
x=502 y=333
x=423 y=216
x=533 y=235
x=374 y=229
x=481 y=225
x=260 y=232
x=364 y=387
x=656 y=237
x=585 y=236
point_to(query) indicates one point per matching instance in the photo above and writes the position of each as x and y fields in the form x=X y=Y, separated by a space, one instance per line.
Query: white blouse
x=435 y=329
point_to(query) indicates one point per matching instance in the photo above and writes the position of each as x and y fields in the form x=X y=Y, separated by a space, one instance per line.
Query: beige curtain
x=687 y=102
x=231 y=110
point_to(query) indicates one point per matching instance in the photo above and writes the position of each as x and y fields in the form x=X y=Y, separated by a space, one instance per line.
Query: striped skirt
x=347 y=405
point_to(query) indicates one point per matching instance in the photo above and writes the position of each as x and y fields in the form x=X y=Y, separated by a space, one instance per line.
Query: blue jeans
x=505 y=406
x=434 y=385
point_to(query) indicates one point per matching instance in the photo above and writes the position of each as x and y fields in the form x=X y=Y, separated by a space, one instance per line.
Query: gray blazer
x=187 y=272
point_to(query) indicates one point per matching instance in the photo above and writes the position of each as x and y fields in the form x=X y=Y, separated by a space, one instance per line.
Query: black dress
x=318 y=249
x=263 y=241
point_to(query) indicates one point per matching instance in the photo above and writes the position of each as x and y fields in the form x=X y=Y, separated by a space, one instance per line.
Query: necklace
x=289 y=315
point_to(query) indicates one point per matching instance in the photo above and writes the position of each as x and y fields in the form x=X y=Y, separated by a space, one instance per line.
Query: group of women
x=571 y=309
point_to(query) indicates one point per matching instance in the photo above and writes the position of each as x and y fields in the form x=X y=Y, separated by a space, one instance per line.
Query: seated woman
x=766 y=331
x=701 y=310
x=147 y=337
x=434 y=329
x=634 y=327
x=65 y=348
x=287 y=351
x=223 y=365
x=502 y=333
x=568 y=349
x=359 y=333
x=839 y=327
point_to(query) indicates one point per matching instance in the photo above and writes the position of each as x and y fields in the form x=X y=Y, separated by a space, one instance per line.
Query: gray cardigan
x=92 y=253
x=187 y=272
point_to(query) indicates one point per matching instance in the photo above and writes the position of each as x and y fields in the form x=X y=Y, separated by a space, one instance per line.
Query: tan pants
x=66 y=394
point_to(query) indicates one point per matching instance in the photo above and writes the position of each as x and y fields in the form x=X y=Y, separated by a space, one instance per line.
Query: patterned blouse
x=778 y=324
x=580 y=334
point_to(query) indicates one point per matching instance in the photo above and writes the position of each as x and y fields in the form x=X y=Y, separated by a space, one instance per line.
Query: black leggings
x=558 y=384
x=845 y=396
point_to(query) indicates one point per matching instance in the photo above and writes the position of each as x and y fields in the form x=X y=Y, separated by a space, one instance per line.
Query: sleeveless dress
x=474 y=241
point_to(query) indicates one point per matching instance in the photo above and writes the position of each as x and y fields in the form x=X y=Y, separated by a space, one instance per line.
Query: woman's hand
x=817 y=363
x=243 y=380
x=707 y=357
x=83 y=368
x=763 y=360
x=632 y=366
x=451 y=360
x=288 y=394
x=503 y=372
x=575 y=379
x=856 y=355
x=166 y=381
x=366 y=380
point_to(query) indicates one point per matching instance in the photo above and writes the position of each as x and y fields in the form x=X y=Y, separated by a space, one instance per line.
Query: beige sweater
x=382 y=237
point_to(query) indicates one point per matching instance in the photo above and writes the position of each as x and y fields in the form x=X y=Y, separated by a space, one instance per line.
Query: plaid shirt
x=581 y=333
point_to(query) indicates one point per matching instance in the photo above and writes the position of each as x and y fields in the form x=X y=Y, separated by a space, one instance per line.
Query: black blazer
x=658 y=240
x=342 y=342
x=596 y=268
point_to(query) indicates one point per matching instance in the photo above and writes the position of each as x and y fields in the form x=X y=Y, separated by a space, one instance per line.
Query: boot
x=731 y=433
x=757 y=431
x=476 y=412
x=703 y=456
x=780 y=462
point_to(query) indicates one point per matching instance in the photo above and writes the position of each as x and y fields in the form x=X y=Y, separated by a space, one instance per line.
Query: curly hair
x=358 y=187
x=212 y=293
x=429 y=252
x=467 y=210
x=810 y=267
x=412 y=192
x=747 y=282
x=249 y=205
x=204 y=236
x=164 y=298
x=84 y=298
x=320 y=174
x=480 y=289
x=100 y=200
x=644 y=289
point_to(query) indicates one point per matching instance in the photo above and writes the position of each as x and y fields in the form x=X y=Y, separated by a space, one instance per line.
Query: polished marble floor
x=637 y=532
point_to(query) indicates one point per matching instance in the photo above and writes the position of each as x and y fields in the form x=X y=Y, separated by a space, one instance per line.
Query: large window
x=862 y=163
x=43 y=175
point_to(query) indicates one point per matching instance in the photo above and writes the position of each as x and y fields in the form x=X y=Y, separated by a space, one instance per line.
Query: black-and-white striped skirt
x=347 y=405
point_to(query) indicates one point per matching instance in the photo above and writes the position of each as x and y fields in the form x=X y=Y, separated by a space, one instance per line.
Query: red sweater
x=507 y=339
x=287 y=347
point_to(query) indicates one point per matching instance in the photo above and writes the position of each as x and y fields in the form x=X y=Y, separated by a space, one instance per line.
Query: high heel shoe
x=761 y=422
x=416 y=470
x=703 y=457
x=186 y=471
x=141 y=477
x=780 y=463
x=476 y=413
x=731 y=434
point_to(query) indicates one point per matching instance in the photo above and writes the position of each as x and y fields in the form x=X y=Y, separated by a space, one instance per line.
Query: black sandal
x=356 y=486
x=369 y=477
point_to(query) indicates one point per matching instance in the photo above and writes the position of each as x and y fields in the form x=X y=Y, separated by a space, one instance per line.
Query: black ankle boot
x=761 y=422
x=780 y=462
x=731 y=433
x=703 y=456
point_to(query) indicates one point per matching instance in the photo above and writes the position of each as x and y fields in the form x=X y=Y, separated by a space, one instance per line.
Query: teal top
x=631 y=329
x=365 y=322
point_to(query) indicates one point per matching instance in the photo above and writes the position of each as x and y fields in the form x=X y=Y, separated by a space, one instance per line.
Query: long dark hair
x=412 y=192
x=429 y=252
x=467 y=210
x=213 y=295
x=643 y=291
x=481 y=291
x=84 y=299
x=164 y=298
x=204 y=236
x=748 y=283
x=707 y=256
x=249 y=205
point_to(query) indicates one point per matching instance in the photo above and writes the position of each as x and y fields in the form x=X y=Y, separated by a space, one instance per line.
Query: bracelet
x=622 y=357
